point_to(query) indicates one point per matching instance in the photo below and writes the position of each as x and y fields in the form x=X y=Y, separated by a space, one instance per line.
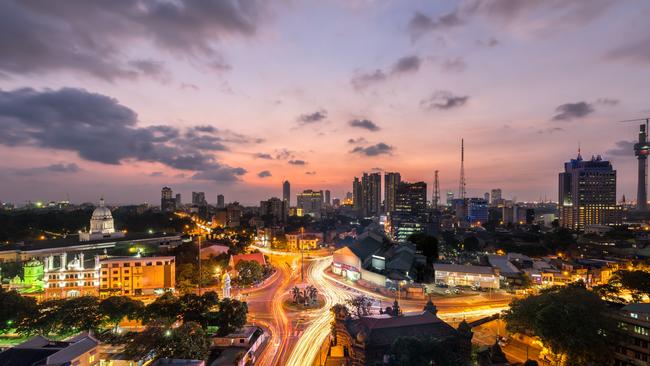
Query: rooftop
x=463 y=268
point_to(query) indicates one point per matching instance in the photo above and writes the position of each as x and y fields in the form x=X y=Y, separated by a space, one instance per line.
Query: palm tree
x=295 y=293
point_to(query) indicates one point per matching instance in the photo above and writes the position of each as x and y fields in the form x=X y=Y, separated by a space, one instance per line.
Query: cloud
x=156 y=174
x=421 y=24
x=454 y=65
x=282 y=154
x=490 y=42
x=636 y=52
x=263 y=156
x=550 y=130
x=91 y=36
x=100 y=129
x=365 y=124
x=569 y=111
x=221 y=173
x=310 y=173
x=264 y=174
x=318 y=116
x=297 y=162
x=623 y=148
x=358 y=140
x=406 y=64
x=373 y=150
x=444 y=100
x=607 y=101
x=189 y=86
x=363 y=80
x=64 y=168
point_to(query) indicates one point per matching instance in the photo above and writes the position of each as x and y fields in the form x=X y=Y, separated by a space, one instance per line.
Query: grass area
x=290 y=305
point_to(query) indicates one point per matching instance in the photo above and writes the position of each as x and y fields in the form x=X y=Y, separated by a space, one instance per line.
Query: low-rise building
x=462 y=275
x=304 y=241
x=70 y=279
x=240 y=347
x=82 y=350
x=137 y=276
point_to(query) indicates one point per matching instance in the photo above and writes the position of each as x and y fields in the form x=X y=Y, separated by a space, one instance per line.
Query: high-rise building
x=178 y=201
x=477 y=211
x=167 y=202
x=391 y=182
x=587 y=193
x=328 y=201
x=371 y=194
x=641 y=150
x=450 y=198
x=496 y=197
x=198 y=199
x=311 y=202
x=221 y=201
x=486 y=196
x=409 y=216
x=276 y=209
x=286 y=192
x=357 y=194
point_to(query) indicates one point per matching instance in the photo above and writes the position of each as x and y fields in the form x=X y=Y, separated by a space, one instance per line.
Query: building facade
x=391 y=183
x=132 y=276
x=276 y=209
x=311 y=202
x=409 y=216
x=470 y=276
x=587 y=194
x=286 y=192
x=167 y=200
x=101 y=225
x=221 y=201
x=633 y=347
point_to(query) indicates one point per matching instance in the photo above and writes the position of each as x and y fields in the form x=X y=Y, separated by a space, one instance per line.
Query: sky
x=121 y=98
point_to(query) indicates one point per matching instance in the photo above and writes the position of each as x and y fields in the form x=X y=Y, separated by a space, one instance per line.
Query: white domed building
x=101 y=225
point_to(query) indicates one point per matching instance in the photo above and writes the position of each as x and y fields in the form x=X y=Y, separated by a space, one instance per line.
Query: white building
x=101 y=225
x=461 y=275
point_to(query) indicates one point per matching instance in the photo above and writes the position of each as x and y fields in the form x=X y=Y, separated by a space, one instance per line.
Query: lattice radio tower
x=461 y=184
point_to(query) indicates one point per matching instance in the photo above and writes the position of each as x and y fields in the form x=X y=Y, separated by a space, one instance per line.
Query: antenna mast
x=461 y=185
x=436 y=191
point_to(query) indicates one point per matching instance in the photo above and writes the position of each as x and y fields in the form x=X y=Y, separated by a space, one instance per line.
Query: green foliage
x=560 y=239
x=14 y=309
x=116 y=308
x=572 y=321
x=637 y=282
x=195 y=308
x=188 y=341
x=165 y=309
x=249 y=272
x=360 y=305
x=426 y=244
x=63 y=317
x=230 y=316
x=471 y=244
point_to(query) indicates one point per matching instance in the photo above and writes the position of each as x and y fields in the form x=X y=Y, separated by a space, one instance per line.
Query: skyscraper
x=167 y=202
x=276 y=209
x=198 y=199
x=371 y=193
x=286 y=192
x=328 y=201
x=178 y=201
x=587 y=193
x=409 y=216
x=496 y=197
x=391 y=182
x=357 y=194
x=450 y=198
x=221 y=201
x=641 y=152
x=311 y=202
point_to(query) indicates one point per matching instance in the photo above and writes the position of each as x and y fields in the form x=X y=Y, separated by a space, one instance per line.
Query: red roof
x=257 y=257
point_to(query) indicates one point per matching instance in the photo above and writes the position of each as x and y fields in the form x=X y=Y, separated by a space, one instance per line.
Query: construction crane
x=641 y=152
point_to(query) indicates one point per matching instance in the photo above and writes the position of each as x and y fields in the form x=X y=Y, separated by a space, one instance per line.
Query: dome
x=102 y=220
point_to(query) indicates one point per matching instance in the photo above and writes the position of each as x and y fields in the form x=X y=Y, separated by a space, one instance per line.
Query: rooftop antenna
x=461 y=184
x=436 y=191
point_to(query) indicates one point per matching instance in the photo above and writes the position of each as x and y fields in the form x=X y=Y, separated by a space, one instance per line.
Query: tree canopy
x=426 y=244
x=571 y=321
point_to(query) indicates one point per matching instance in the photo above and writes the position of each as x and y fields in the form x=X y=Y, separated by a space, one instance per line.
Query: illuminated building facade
x=70 y=279
x=101 y=225
x=391 y=183
x=132 y=276
x=311 y=202
x=409 y=216
x=587 y=194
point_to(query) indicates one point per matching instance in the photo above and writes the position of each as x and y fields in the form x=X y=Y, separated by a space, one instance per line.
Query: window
x=634 y=315
x=149 y=264
x=126 y=271
x=104 y=272
x=159 y=263
x=127 y=264
x=115 y=265
x=126 y=278
x=116 y=271
x=138 y=264
x=115 y=278
x=641 y=330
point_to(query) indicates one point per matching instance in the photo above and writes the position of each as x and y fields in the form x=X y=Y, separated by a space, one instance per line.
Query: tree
x=116 y=308
x=44 y=320
x=426 y=244
x=531 y=363
x=471 y=244
x=79 y=313
x=360 y=305
x=166 y=308
x=572 y=321
x=230 y=316
x=14 y=309
x=636 y=282
x=249 y=272
x=340 y=311
x=296 y=294
x=189 y=341
x=195 y=308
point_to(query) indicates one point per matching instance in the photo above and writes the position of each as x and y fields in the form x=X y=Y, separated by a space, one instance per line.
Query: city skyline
x=190 y=105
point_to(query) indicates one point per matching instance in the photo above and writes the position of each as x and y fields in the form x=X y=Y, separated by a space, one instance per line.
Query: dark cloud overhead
x=311 y=118
x=406 y=64
x=91 y=36
x=373 y=150
x=570 y=111
x=421 y=24
x=444 y=100
x=365 y=124
x=622 y=148
x=264 y=174
x=100 y=129
x=297 y=162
